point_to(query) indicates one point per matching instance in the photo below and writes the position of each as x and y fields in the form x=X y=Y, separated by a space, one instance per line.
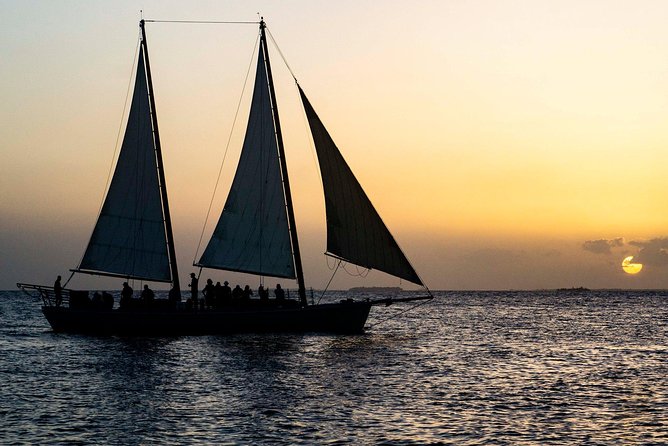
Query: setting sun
x=631 y=268
x=485 y=152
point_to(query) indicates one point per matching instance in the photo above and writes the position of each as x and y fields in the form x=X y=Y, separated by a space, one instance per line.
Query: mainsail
x=252 y=233
x=355 y=231
x=129 y=238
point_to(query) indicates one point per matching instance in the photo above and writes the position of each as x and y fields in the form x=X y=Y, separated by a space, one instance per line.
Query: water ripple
x=520 y=368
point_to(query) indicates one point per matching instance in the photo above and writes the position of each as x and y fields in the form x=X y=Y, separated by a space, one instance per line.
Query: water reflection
x=472 y=368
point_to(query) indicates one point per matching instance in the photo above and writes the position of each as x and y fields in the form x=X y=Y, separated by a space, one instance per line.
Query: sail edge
x=381 y=250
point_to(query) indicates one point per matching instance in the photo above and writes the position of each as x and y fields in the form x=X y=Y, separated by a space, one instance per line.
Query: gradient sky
x=507 y=145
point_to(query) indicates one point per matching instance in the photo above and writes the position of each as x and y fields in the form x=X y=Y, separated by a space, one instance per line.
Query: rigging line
x=281 y=54
x=118 y=137
x=204 y=22
x=331 y=268
x=363 y=273
x=328 y=283
x=382 y=321
x=227 y=146
x=69 y=278
x=304 y=117
x=311 y=145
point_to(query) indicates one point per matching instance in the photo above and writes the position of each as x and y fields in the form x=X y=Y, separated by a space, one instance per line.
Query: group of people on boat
x=217 y=296
x=213 y=296
x=146 y=298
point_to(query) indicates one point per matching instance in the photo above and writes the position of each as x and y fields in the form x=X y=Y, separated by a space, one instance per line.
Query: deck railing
x=47 y=293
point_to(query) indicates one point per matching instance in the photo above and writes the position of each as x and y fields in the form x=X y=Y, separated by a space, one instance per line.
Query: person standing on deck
x=247 y=293
x=264 y=294
x=126 y=295
x=279 y=293
x=227 y=292
x=209 y=295
x=194 y=290
x=237 y=293
x=147 y=295
x=58 y=291
x=218 y=295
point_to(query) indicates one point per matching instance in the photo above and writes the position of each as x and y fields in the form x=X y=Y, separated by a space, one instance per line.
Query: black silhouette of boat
x=256 y=232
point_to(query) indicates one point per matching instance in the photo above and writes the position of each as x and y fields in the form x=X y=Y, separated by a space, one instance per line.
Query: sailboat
x=256 y=232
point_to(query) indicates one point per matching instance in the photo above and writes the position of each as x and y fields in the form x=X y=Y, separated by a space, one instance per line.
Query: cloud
x=602 y=246
x=652 y=252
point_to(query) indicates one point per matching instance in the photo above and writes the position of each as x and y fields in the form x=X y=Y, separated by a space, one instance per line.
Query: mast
x=284 y=168
x=161 y=171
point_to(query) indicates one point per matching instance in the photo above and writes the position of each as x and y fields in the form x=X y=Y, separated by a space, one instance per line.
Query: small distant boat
x=256 y=232
x=573 y=290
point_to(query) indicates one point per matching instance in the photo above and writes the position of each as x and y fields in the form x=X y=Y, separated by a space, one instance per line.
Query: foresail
x=252 y=232
x=129 y=238
x=355 y=231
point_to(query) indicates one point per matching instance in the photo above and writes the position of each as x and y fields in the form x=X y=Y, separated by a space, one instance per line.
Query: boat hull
x=340 y=318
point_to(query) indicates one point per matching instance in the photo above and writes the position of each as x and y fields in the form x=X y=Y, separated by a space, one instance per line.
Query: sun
x=631 y=268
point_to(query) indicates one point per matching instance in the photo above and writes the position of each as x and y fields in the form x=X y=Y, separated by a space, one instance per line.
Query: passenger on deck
x=147 y=295
x=247 y=293
x=126 y=295
x=264 y=294
x=58 y=291
x=279 y=293
x=218 y=295
x=227 y=292
x=237 y=293
x=194 y=290
x=209 y=293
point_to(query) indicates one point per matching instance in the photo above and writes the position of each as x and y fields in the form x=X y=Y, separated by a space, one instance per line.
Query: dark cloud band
x=652 y=252
x=602 y=246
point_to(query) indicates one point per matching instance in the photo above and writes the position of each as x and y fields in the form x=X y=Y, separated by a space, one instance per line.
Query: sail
x=129 y=238
x=355 y=231
x=252 y=233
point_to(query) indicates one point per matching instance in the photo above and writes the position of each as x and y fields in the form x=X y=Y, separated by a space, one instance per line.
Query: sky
x=506 y=145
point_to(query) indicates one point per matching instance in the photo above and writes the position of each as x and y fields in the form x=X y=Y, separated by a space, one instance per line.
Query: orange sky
x=495 y=138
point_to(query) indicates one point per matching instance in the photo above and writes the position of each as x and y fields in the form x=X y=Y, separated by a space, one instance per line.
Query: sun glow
x=631 y=268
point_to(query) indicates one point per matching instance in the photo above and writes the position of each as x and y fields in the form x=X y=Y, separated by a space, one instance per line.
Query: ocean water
x=516 y=368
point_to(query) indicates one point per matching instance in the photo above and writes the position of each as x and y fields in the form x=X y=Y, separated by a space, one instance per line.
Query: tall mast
x=161 y=171
x=284 y=168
